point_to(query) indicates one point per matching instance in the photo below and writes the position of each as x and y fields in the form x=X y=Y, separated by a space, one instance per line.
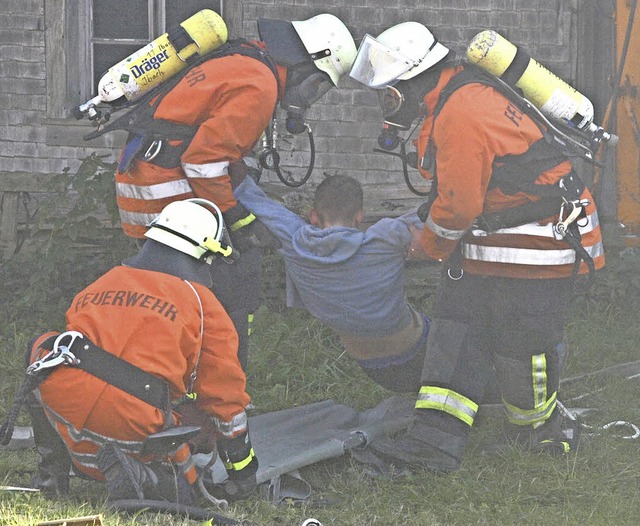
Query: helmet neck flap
x=161 y=258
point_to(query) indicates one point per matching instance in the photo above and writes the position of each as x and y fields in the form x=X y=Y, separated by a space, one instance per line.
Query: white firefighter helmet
x=398 y=53
x=193 y=226
x=329 y=43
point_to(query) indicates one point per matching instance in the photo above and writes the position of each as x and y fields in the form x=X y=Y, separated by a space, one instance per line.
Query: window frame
x=69 y=64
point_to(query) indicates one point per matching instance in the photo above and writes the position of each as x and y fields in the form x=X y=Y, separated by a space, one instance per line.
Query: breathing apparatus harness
x=518 y=173
x=162 y=142
x=149 y=138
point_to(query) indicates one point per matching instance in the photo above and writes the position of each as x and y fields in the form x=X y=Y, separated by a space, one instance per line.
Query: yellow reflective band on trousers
x=565 y=445
x=237 y=466
x=542 y=406
x=448 y=401
x=539 y=376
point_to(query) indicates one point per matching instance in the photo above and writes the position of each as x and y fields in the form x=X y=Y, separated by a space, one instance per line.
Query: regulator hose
x=405 y=168
x=192 y=512
x=312 y=160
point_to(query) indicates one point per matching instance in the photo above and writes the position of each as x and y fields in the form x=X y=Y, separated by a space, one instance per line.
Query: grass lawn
x=295 y=360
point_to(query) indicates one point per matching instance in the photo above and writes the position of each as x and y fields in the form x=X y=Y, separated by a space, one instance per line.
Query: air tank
x=546 y=91
x=159 y=60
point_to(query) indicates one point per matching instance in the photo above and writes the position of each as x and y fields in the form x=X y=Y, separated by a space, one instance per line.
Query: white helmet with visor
x=398 y=53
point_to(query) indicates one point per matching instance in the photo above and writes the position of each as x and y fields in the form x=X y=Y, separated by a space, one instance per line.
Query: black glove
x=246 y=231
x=248 y=166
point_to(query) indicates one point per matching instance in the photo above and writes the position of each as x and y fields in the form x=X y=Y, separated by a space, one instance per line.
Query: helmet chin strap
x=211 y=246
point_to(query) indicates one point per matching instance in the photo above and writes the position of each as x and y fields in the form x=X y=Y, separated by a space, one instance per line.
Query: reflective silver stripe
x=596 y=250
x=135 y=218
x=524 y=417
x=85 y=435
x=209 y=170
x=530 y=229
x=443 y=232
x=547 y=230
x=526 y=256
x=86 y=460
x=235 y=426
x=539 y=374
x=153 y=191
x=448 y=401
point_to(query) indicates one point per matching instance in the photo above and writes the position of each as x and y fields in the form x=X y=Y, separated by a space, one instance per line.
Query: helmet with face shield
x=398 y=53
x=391 y=64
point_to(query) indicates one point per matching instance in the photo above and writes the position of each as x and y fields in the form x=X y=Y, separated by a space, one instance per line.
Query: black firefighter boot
x=52 y=477
x=127 y=478
x=428 y=443
x=555 y=436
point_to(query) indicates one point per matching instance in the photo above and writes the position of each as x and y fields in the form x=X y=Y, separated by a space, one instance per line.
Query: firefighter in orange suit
x=212 y=117
x=512 y=223
x=152 y=321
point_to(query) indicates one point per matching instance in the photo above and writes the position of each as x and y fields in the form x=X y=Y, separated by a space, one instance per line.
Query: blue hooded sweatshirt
x=353 y=281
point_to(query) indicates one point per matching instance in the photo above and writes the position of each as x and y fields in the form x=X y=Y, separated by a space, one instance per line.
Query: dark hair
x=338 y=198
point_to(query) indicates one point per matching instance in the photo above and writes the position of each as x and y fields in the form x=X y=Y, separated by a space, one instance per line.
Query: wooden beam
x=9 y=224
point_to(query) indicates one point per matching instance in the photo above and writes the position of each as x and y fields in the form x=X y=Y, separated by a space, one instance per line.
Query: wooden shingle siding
x=37 y=133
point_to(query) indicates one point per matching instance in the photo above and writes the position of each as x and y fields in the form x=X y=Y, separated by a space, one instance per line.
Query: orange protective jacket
x=476 y=125
x=230 y=100
x=153 y=321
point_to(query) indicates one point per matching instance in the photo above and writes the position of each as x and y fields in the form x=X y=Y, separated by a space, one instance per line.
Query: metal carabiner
x=562 y=226
x=153 y=150
x=60 y=354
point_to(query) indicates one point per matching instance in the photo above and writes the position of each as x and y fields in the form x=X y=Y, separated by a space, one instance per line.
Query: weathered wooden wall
x=37 y=133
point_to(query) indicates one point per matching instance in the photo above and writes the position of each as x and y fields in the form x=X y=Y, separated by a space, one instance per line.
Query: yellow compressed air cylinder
x=546 y=91
x=160 y=60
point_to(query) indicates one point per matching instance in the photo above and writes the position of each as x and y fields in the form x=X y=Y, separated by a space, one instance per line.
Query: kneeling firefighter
x=513 y=223
x=191 y=132
x=148 y=352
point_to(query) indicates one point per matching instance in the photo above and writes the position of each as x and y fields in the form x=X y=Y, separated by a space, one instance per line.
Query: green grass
x=296 y=360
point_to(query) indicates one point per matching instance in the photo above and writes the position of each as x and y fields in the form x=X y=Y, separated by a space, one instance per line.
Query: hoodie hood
x=327 y=245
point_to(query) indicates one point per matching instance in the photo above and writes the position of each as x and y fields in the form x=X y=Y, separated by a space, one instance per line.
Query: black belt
x=121 y=374
x=519 y=215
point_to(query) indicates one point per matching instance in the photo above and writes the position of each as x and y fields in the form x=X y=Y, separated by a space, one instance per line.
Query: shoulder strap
x=511 y=173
